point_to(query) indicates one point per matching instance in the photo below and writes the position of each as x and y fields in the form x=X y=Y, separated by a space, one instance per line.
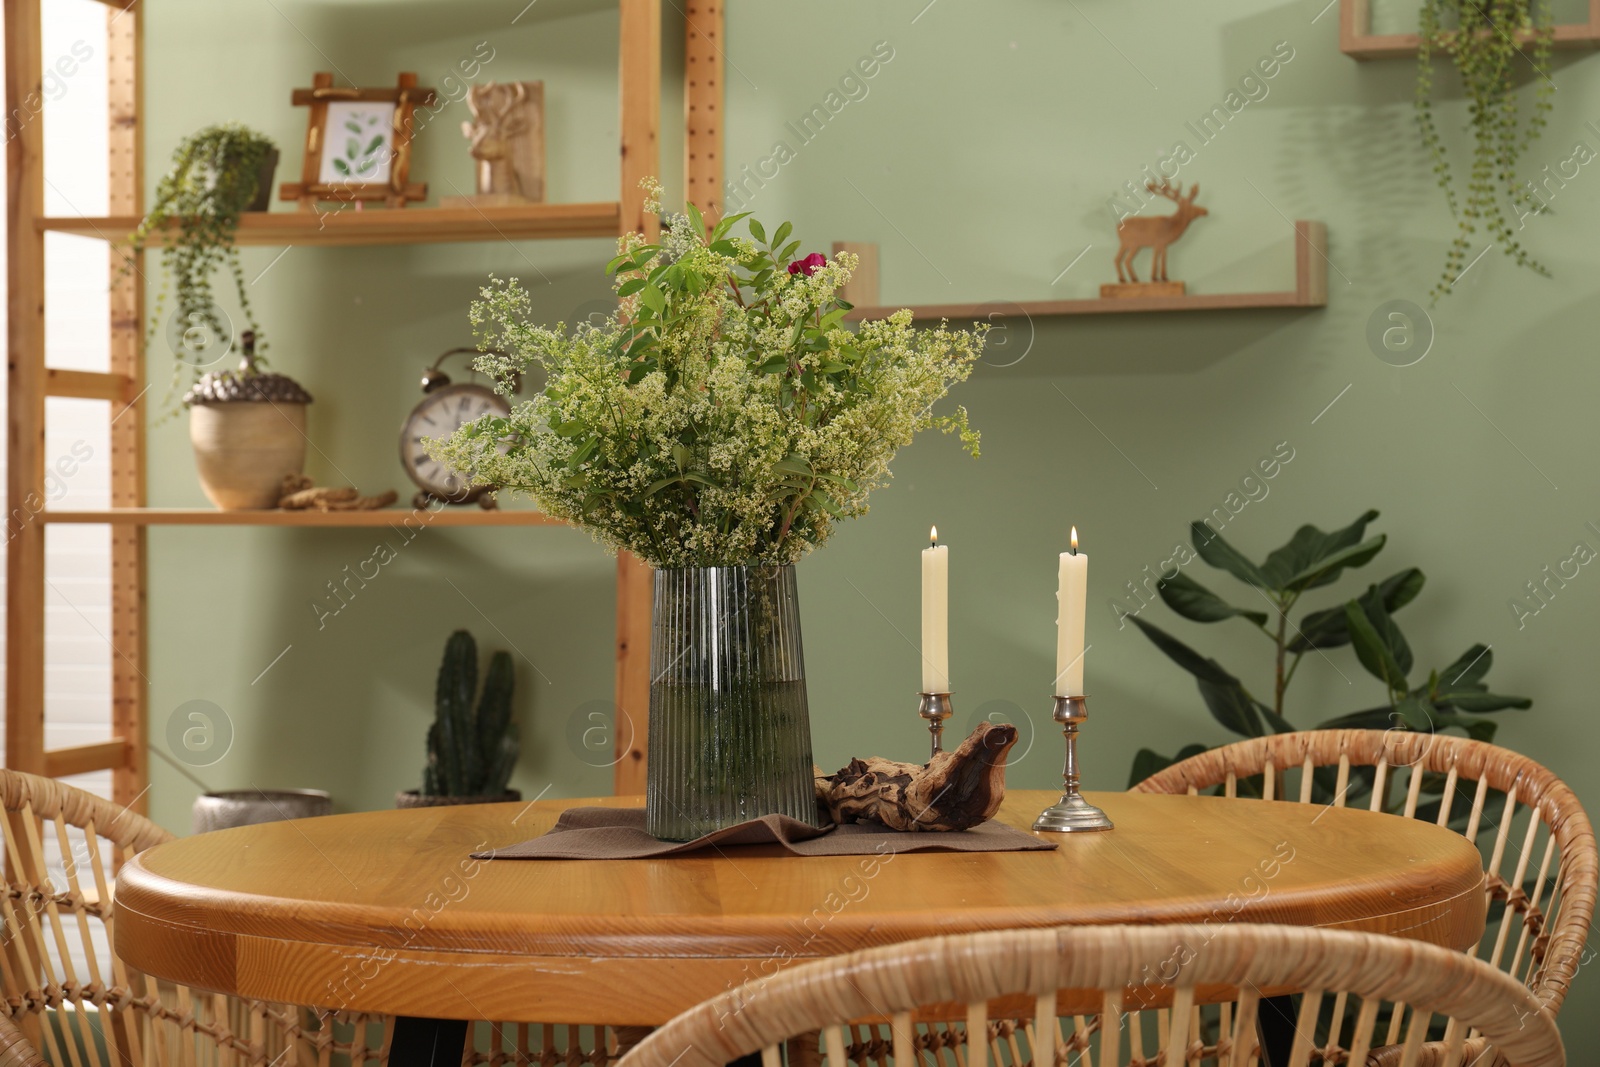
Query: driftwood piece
x=953 y=791
x=298 y=494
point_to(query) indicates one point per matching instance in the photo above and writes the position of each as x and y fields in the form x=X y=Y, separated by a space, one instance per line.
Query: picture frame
x=358 y=143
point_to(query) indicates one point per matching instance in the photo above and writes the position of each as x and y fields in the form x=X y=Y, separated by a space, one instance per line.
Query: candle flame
x=1074 y=540
x=933 y=536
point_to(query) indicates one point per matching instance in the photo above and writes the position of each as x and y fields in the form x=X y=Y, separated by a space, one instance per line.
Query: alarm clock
x=445 y=408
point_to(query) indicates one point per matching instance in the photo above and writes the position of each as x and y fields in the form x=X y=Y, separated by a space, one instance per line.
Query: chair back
x=69 y=994
x=1086 y=988
x=1540 y=860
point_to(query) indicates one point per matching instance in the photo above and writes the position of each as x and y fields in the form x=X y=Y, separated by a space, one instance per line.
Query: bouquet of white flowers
x=724 y=415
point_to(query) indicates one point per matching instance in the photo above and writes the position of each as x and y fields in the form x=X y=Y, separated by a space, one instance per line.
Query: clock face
x=440 y=414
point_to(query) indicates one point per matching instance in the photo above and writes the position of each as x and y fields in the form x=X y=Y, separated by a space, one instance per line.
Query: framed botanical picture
x=358 y=143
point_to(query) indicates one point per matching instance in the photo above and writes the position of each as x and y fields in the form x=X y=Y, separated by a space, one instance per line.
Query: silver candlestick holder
x=935 y=707
x=1072 y=813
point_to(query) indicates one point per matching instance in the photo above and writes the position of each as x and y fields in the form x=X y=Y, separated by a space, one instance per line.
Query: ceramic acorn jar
x=248 y=429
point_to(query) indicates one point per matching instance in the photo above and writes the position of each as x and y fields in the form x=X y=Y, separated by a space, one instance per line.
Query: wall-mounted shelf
x=413 y=518
x=427 y=225
x=1310 y=291
x=1356 y=38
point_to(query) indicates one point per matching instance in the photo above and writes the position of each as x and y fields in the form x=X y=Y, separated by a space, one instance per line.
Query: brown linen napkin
x=619 y=834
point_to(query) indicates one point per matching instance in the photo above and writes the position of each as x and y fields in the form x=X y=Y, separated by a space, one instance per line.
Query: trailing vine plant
x=1488 y=41
x=215 y=175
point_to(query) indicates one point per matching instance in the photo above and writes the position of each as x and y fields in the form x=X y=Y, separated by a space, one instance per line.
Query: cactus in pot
x=472 y=750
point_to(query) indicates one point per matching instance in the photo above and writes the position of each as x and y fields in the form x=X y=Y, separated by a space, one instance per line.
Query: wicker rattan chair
x=75 y=1001
x=1066 y=982
x=1541 y=863
x=64 y=988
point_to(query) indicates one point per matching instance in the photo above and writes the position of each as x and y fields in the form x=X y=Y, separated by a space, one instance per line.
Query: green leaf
x=1232 y=707
x=1277 y=723
x=661 y=483
x=727 y=224
x=794 y=465
x=1147 y=762
x=631 y=286
x=1371 y=649
x=374 y=144
x=1486 y=702
x=1216 y=551
x=1194 y=601
x=1206 y=670
x=1468 y=669
x=1416 y=713
x=339 y=165
x=1372 y=604
x=651 y=298
x=696 y=218
x=1329 y=567
x=1309 y=546
x=783 y=231
x=1370 y=719
x=758 y=231
x=1326 y=629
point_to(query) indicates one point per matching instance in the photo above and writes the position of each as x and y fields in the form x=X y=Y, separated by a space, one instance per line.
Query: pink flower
x=809 y=265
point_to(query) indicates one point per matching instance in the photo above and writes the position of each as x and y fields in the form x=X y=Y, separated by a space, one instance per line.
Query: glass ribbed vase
x=730 y=733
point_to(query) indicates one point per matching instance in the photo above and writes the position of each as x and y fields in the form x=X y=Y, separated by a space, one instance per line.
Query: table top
x=385 y=911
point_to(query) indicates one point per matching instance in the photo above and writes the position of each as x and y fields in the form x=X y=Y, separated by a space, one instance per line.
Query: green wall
x=981 y=159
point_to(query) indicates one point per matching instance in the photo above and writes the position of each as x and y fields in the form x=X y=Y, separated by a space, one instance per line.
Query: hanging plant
x=1488 y=41
x=215 y=175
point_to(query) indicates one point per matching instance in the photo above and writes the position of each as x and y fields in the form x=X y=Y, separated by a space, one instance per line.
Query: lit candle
x=935 y=615
x=1072 y=597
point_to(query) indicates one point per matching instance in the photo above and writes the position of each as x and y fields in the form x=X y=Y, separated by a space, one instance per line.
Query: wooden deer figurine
x=506 y=134
x=496 y=120
x=1156 y=233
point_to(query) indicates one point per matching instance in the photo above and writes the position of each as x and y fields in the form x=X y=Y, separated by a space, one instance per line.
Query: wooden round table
x=385 y=911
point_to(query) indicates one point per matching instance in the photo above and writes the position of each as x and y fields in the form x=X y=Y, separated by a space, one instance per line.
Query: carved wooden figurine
x=953 y=791
x=1155 y=233
x=506 y=135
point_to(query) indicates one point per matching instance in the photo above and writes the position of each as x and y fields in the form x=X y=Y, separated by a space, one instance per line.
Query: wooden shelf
x=1355 y=38
x=1310 y=291
x=414 y=518
x=381 y=226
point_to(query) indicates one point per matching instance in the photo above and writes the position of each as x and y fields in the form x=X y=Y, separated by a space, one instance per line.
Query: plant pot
x=243 y=450
x=248 y=429
x=264 y=177
x=247 y=807
x=411 y=798
x=730 y=730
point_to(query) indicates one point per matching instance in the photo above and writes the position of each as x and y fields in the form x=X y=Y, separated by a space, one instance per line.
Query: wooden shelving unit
x=1356 y=38
x=29 y=381
x=347 y=226
x=407 y=518
x=1310 y=291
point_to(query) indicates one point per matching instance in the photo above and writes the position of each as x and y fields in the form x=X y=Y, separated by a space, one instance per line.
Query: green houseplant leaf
x=1326 y=628
x=1371 y=648
x=1194 y=601
x=1310 y=546
x=1215 y=550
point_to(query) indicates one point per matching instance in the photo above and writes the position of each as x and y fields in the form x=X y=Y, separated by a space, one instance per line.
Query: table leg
x=427 y=1042
x=1275 y=1022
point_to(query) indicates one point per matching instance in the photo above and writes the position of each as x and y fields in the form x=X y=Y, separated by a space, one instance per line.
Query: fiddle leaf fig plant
x=1446 y=698
x=1491 y=44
